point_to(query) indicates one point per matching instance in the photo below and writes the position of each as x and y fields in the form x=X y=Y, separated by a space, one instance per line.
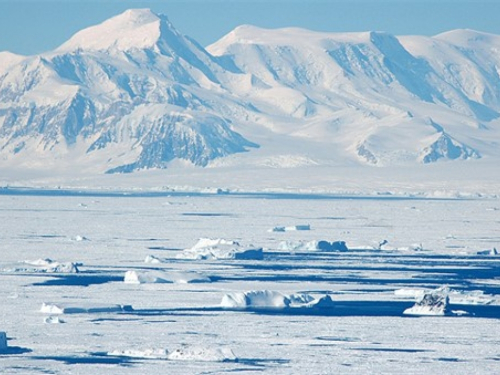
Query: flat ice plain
x=107 y=326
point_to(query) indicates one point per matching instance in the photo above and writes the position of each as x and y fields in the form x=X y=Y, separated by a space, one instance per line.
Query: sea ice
x=207 y=248
x=3 y=340
x=158 y=277
x=267 y=299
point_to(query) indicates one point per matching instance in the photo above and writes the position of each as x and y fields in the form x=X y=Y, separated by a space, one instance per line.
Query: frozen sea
x=92 y=322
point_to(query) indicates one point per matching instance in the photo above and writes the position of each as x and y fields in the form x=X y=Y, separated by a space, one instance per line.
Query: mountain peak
x=134 y=28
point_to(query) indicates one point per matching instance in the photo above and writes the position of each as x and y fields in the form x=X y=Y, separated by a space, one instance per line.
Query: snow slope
x=133 y=93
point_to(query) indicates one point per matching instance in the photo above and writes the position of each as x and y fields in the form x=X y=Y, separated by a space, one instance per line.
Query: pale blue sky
x=34 y=26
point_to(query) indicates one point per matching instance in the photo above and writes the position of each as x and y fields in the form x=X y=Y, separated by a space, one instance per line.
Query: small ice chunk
x=152 y=259
x=81 y=238
x=53 y=320
x=3 y=340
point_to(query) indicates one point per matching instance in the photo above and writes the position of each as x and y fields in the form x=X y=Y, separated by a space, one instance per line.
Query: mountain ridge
x=135 y=84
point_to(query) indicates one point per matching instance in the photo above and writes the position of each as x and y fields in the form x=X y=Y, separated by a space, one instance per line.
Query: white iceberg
x=458 y=297
x=431 y=303
x=158 y=277
x=3 y=340
x=42 y=266
x=207 y=248
x=267 y=299
x=321 y=245
x=58 y=308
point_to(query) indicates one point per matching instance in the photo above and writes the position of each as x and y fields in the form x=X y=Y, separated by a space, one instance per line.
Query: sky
x=34 y=26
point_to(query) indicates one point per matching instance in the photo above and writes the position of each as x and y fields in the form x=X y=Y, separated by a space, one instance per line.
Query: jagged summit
x=134 y=28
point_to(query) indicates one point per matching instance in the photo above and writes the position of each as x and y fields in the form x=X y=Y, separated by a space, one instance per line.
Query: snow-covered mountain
x=134 y=93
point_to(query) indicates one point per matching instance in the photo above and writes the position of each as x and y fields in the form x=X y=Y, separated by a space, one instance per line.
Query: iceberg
x=208 y=248
x=267 y=299
x=159 y=277
x=431 y=303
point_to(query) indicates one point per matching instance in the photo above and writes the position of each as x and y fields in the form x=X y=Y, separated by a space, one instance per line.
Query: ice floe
x=207 y=248
x=291 y=228
x=185 y=353
x=42 y=266
x=313 y=246
x=267 y=299
x=58 y=308
x=158 y=277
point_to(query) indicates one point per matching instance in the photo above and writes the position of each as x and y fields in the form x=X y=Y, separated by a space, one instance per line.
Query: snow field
x=362 y=331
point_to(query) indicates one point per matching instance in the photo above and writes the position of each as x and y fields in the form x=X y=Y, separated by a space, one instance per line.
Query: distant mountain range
x=134 y=93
